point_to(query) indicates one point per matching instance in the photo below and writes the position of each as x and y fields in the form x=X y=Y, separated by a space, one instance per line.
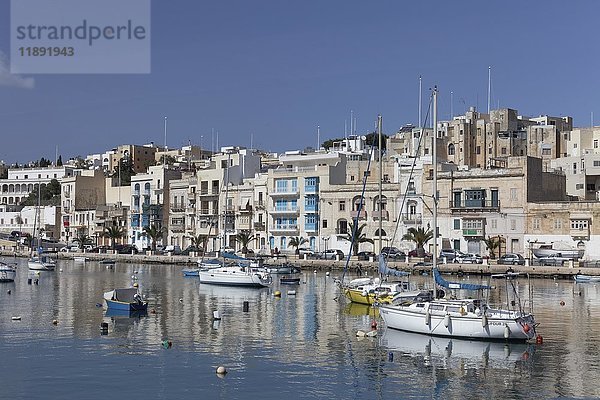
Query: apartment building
x=150 y=203
x=21 y=181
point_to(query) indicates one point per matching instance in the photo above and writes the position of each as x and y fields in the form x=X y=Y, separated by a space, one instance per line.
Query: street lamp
x=326 y=239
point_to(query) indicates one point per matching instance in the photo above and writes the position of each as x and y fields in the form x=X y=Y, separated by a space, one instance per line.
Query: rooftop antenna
x=345 y=129
x=420 y=94
x=56 y=156
x=489 y=88
x=355 y=119
x=351 y=122
x=251 y=140
x=592 y=119
x=318 y=137
x=451 y=105
x=212 y=140
x=165 y=149
x=217 y=137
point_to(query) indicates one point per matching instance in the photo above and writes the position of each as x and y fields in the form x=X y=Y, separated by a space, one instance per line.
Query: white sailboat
x=242 y=272
x=41 y=262
x=466 y=318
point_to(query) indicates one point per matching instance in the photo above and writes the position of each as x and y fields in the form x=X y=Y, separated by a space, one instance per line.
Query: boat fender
x=8 y=291
x=484 y=321
x=16 y=318
x=360 y=334
x=539 y=339
x=562 y=303
x=371 y=334
x=374 y=324
x=221 y=370
x=277 y=293
x=291 y=292
x=447 y=320
x=506 y=331
x=427 y=318
x=462 y=310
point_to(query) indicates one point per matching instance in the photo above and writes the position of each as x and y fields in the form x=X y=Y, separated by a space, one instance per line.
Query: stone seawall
x=354 y=267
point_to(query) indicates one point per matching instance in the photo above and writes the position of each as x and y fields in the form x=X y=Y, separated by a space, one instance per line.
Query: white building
x=22 y=181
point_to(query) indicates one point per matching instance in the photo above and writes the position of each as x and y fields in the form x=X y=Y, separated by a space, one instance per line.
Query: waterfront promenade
x=415 y=265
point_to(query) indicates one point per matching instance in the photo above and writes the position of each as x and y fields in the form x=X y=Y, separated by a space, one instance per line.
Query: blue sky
x=275 y=70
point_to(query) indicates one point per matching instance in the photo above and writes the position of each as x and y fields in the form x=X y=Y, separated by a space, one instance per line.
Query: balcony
x=285 y=192
x=311 y=227
x=580 y=233
x=177 y=207
x=260 y=205
x=383 y=215
x=412 y=219
x=191 y=195
x=284 y=210
x=312 y=208
x=208 y=192
x=475 y=206
x=362 y=215
x=311 y=189
x=280 y=228
x=473 y=232
x=206 y=211
x=259 y=226
x=190 y=209
x=245 y=209
x=177 y=227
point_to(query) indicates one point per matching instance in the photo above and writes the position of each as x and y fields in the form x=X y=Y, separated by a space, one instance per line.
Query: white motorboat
x=41 y=263
x=580 y=278
x=7 y=272
x=80 y=259
x=558 y=249
x=235 y=275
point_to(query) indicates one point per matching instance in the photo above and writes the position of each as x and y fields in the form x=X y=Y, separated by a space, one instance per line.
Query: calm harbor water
x=301 y=346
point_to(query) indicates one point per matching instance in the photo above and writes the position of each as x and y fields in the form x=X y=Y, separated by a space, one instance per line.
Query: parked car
x=305 y=250
x=331 y=254
x=126 y=249
x=450 y=254
x=415 y=253
x=393 y=253
x=69 y=248
x=366 y=255
x=468 y=258
x=554 y=259
x=191 y=249
x=511 y=259
x=227 y=249
x=173 y=249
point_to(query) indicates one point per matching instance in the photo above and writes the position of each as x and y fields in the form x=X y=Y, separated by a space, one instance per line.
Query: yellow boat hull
x=358 y=296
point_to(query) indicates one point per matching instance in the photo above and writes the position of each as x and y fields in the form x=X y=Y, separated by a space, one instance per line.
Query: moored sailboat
x=467 y=318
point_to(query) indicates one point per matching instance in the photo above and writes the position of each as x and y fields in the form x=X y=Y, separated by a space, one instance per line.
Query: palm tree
x=113 y=233
x=420 y=236
x=359 y=237
x=297 y=242
x=154 y=233
x=492 y=243
x=244 y=238
x=82 y=239
x=198 y=241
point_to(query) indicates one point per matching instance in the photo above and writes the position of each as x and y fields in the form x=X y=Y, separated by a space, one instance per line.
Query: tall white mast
x=435 y=198
x=165 y=148
x=379 y=126
x=451 y=105
x=318 y=137
x=420 y=92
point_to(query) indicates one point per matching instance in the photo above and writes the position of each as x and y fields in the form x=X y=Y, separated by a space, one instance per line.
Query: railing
x=284 y=210
x=190 y=209
x=177 y=207
x=286 y=192
x=311 y=227
x=473 y=232
x=178 y=227
x=311 y=189
x=414 y=218
x=209 y=192
x=481 y=205
x=362 y=215
x=311 y=208
x=259 y=226
x=380 y=214
x=285 y=227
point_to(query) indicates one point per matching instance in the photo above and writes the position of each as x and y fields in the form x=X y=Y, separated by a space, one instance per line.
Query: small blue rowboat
x=289 y=281
x=190 y=271
x=125 y=299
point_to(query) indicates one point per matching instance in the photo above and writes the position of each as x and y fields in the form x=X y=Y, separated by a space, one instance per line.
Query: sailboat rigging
x=40 y=262
x=467 y=318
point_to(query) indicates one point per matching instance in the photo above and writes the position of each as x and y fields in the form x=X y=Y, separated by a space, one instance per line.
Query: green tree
x=359 y=236
x=170 y=159
x=420 y=237
x=244 y=238
x=125 y=165
x=82 y=239
x=491 y=244
x=59 y=162
x=296 y=242
x=114 y=233
x=199 y=241
x=49 y=195
x=154 y=233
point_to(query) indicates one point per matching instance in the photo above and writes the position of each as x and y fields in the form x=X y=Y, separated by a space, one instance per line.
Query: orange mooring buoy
x=539 y=339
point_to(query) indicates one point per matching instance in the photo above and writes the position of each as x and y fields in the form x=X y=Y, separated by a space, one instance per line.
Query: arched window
x=382 y=233
x=376 y=203
x=451 y=149
x=342 y=226
x=356 y=201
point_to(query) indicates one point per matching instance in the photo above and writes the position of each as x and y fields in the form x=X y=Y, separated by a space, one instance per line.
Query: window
x=386 y=178
x=558 y=223
x=342 y=205
x=478 y=150
x=574 y=145
x=579 y=224
x=536 y=224
x=578 y=186
x=503 y=151
x=595 y=143
x=351 y=178
x=324 y=223
x=574 y=168
x=494 y=223
x=513 y=224
x=514 y=194
x=457 y=224
x=596 y=163
x=451 y=149
x=546 y=152
x=591 y=187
